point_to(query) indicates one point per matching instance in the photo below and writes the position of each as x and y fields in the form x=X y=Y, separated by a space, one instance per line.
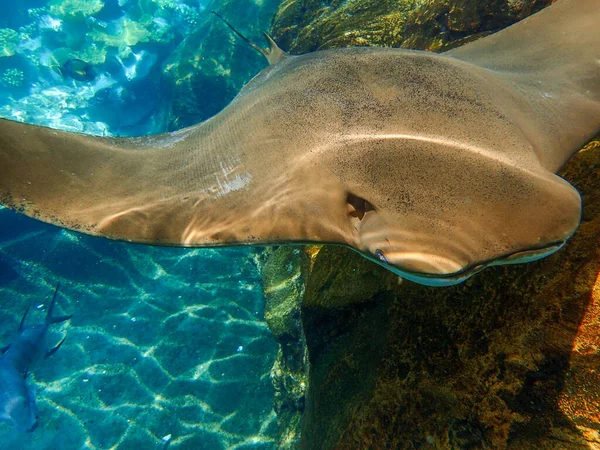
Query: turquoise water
x=162 y=342
x=166 y=347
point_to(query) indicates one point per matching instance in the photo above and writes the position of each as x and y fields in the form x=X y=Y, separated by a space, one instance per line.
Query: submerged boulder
x=211 y=65
x=302 y=26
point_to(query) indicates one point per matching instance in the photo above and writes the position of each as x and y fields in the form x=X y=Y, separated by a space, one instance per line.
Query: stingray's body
x=434 y=165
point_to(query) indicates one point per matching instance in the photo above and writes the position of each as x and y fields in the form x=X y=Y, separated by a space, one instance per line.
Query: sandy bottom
x=166 y=347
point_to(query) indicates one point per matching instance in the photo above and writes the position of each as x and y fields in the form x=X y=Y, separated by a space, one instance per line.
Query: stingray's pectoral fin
x=125 y=189
x=273 y=54
x=553 y=59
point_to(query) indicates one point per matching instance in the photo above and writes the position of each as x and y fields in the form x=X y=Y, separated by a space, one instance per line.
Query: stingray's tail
x=553 y=57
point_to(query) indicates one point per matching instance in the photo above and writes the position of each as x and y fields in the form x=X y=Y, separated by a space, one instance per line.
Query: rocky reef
x=302 y=26
x=508 y=359
x=211 y=65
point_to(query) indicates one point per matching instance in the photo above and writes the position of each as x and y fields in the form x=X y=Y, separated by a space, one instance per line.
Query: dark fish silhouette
x=78 y=70
x=17 y=398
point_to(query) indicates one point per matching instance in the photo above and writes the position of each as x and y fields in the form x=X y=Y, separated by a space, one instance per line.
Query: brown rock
x=302 y=26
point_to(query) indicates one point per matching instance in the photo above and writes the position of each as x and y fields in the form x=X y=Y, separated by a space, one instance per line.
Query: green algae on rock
x=203 y=78
x=301 y=26
x=440 y=25
x=284 y=284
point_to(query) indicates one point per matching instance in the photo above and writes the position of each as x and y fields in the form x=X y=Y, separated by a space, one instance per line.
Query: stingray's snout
x=422 y=262
x=422 y=267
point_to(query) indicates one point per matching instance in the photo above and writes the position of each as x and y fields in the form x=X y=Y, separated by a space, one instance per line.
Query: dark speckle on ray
x=435 y=165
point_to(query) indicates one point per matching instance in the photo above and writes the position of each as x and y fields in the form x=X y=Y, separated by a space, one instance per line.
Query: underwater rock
x=302 y=26
x=283 y=284
x=211 y=65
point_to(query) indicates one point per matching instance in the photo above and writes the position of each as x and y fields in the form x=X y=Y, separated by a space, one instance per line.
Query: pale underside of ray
x=433 y=165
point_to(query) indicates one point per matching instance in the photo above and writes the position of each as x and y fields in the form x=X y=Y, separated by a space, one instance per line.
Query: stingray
x=432 y=165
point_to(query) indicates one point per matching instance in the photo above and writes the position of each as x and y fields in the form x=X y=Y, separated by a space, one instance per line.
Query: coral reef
x=135 y=48
x=127 y=34
x=8 y=42
x=75 y=9
x=12 y=78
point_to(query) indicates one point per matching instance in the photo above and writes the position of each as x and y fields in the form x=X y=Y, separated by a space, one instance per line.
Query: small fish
x=17 y=398
x=77 y=69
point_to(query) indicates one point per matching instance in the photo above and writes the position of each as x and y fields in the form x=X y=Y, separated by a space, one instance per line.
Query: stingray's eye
x=381 y=256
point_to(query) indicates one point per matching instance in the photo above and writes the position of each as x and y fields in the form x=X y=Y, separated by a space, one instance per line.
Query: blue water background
x=165 y=344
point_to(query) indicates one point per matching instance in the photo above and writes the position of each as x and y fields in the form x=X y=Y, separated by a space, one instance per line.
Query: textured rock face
x=284 y=285
x=202 y=77
x=302 y=26
x=509 y=359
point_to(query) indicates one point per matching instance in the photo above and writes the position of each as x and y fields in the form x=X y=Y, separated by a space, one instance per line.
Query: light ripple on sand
x=74 y=390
